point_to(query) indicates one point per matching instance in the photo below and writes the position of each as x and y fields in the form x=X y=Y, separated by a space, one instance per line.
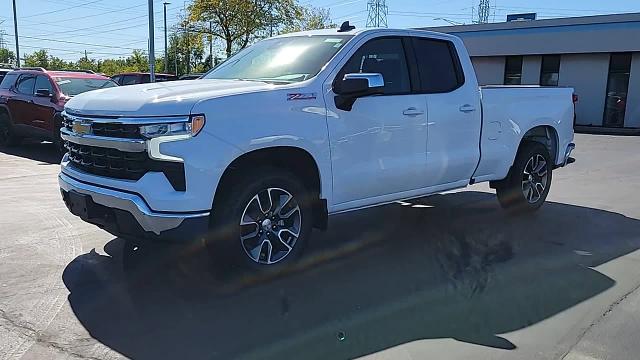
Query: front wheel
x=529 y=180
x=263 y=221
x=7 y=136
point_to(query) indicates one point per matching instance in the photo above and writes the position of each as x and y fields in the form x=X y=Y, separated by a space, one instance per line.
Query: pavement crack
x=609 y=309
x=35 y=336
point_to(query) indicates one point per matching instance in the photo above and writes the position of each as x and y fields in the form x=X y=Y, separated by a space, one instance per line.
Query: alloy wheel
x=535 y=178
x=270 y=226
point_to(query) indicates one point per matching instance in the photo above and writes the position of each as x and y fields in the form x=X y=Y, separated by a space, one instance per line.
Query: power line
x=60 y=10
x=76 y=43
x=378 y=12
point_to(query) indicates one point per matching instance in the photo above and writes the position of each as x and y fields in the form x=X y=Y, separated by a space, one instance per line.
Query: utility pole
x=166 y=54
x=377 y=13
x=152 y=55
x=15 y=30
x=211 y=43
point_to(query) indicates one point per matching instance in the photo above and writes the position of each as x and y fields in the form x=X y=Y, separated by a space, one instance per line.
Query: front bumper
x=127 y=214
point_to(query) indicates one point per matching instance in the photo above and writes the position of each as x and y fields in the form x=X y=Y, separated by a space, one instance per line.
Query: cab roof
x=359 y=31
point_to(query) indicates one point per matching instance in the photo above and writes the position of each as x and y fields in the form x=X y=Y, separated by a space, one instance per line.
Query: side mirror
x=357 y=85
x=43 y=93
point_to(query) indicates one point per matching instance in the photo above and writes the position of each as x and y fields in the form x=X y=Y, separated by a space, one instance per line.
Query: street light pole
x=166 y=54
x=15 y=30
x=152 y=57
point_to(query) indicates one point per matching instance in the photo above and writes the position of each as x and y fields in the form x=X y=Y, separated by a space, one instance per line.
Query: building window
x=617 y=86
x=550 y=71
x=513 y=70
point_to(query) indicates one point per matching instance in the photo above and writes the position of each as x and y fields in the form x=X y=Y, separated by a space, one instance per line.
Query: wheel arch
x=547 y=135
x=291 y=158
x=5 y=110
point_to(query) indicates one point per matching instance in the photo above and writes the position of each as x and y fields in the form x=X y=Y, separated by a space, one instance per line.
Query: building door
x=617 y=87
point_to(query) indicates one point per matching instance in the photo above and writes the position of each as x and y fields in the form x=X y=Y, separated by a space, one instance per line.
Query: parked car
x=32 y=99
x=140 y=78
x=4 y=69
x=193 y=76
x=302 y=126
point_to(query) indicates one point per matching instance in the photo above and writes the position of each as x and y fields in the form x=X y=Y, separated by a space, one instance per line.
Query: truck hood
x=158 y=99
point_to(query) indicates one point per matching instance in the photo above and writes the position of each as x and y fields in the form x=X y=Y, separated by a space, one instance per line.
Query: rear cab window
x=438 y=65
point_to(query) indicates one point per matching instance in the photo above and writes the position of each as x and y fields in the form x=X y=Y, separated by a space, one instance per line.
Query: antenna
x=378 y=12
x=484 y=8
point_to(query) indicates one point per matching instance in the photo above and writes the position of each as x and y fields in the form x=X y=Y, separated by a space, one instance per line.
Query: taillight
x=575 y=98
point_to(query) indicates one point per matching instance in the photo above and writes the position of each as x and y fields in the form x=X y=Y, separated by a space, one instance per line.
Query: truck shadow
x=43 y=152
x=447 y=266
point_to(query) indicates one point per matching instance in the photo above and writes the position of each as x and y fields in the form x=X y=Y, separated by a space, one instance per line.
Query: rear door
x=453 y=110
x=43 y=107
x=20 y=103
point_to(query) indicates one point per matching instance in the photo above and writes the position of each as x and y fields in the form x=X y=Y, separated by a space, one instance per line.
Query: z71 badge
x=301 y=96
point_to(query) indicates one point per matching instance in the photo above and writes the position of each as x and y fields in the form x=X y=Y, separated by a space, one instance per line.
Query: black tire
x=224 y=241
x=57 y=139
x=7 y=137
x=520 y=191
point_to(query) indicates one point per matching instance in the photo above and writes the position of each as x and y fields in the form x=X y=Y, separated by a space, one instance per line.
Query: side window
x=117 y=78
x=8 y=81
x=25 y=84
x=129 y=79
x=438 y=65
x=384 y=56
x=146 y=78
x=42 y=82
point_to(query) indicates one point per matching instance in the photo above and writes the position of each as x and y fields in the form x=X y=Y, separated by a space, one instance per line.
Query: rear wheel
x=262 y=222
x=529 y=180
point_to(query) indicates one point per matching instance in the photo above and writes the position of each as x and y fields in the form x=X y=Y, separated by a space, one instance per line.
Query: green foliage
x=7 y=56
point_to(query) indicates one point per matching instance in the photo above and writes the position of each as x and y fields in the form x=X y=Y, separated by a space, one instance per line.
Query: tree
x=39 y=58
x=310 y=18
x=186 y=51
x=239 y=22
x=7 y=56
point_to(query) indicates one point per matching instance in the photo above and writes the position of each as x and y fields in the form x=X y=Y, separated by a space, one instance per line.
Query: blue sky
x=113 y=28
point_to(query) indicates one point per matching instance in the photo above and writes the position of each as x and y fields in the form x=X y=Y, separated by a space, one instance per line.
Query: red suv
x=31 y=101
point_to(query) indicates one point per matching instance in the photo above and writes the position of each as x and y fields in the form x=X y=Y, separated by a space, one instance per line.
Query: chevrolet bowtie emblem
x=81 y=128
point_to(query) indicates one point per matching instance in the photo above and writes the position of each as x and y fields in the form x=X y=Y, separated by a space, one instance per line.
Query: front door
x=43 y=107
x=378 y=147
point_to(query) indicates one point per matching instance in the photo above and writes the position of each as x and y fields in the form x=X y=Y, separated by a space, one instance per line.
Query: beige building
x=599 y=56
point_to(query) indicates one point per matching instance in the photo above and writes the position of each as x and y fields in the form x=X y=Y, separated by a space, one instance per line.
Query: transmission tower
x=484 y=9
x=378 y=11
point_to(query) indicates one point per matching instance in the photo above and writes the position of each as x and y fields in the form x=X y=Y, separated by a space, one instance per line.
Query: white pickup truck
x=302 y=126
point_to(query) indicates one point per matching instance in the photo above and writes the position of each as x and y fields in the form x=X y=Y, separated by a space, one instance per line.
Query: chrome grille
x=122 y=165
x=108 y=129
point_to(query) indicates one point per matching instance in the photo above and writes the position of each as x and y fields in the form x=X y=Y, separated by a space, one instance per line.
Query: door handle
x=412 y=112
x=466 y=108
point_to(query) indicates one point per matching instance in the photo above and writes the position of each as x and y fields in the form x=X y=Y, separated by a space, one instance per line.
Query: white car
x=302 y=126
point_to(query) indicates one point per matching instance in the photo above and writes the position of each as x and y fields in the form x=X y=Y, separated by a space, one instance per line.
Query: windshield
x=74 y=86
x=281 y=60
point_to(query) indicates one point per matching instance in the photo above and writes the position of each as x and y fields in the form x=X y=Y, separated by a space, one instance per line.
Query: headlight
x=189 y=128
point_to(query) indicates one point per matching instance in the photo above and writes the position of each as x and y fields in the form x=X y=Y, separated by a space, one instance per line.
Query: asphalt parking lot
x=446 y=277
